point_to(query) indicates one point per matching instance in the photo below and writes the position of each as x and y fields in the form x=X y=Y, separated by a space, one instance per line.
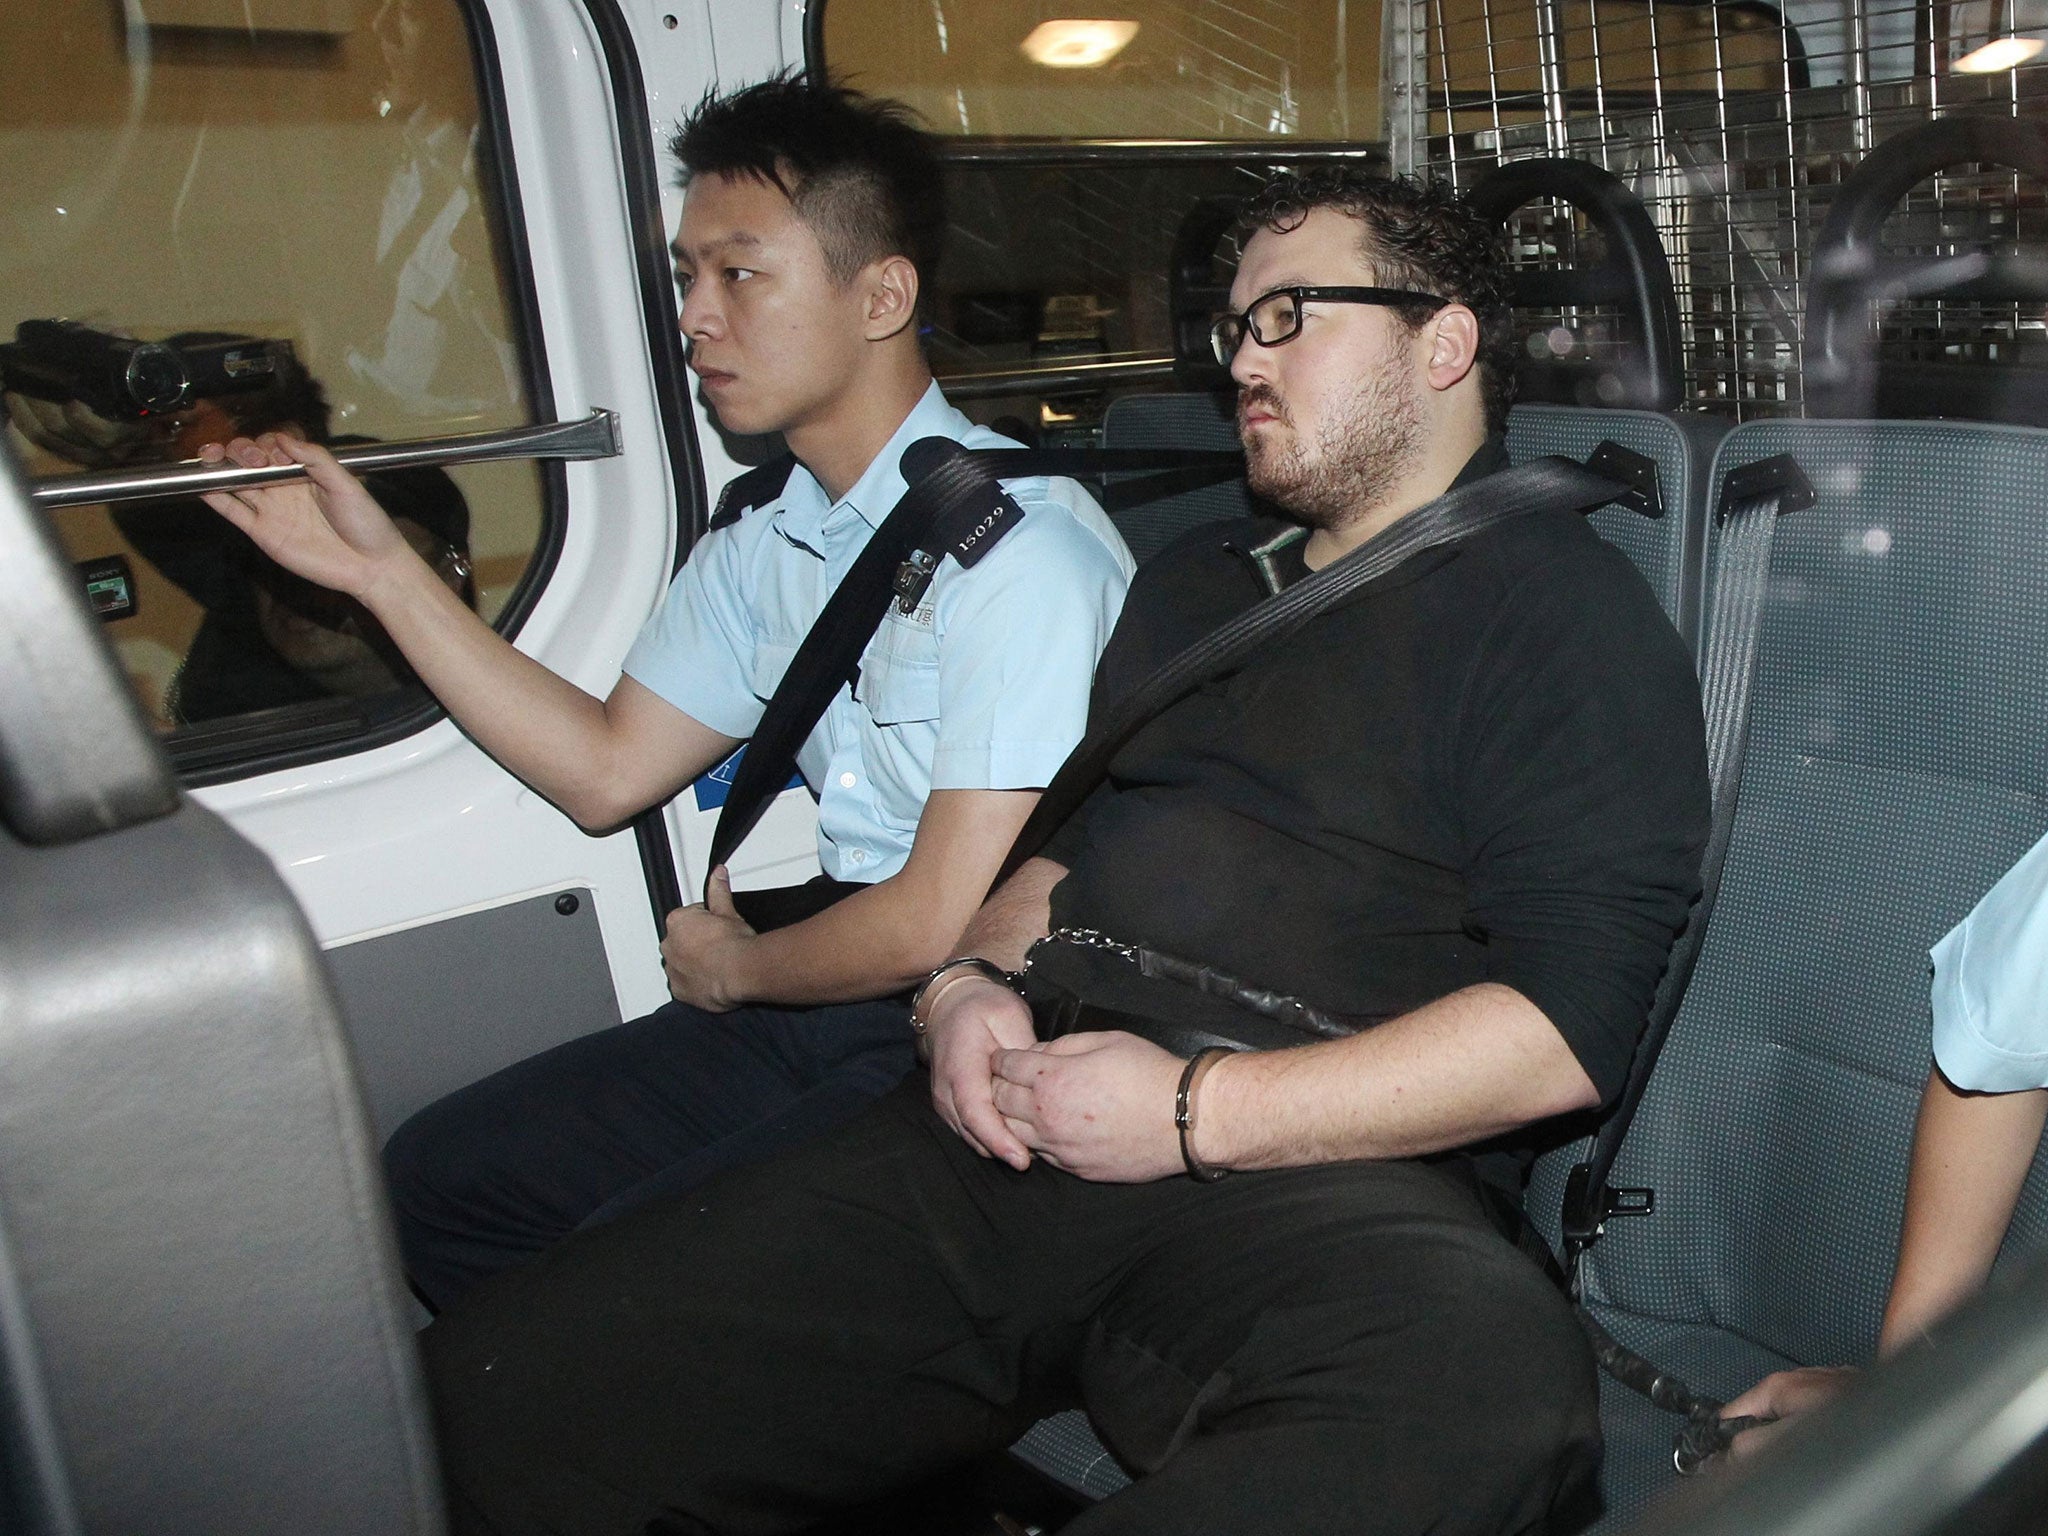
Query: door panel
x=427 y=828
x=498 y=985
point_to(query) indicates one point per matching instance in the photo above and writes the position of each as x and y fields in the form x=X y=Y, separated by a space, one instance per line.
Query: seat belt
x=1752 y=499
x=954 y=504
x=1540 y=485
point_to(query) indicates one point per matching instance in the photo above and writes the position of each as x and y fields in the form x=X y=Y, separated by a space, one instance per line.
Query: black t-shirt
x=1490 y=766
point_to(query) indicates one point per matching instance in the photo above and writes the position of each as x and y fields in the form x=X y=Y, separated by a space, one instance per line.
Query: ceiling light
x=1077 y=44
x=1999 y=54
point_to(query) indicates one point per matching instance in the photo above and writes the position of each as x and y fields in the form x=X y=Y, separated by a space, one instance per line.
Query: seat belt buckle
x=1584 y=1218
x=1636 y=471
x=1779 y=475
x=913 y=577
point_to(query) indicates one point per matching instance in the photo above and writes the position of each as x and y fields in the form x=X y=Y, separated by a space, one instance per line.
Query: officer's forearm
x=1971 y=1153
x=1015 y=915
x=886 y=938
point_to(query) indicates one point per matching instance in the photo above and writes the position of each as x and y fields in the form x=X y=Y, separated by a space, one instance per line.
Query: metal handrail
x=596 y=436
x=1070 y=152
x=1028 y=379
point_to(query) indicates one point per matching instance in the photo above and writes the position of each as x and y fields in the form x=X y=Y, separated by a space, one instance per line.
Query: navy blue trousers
x=494 y=1173
x=1343 y=1350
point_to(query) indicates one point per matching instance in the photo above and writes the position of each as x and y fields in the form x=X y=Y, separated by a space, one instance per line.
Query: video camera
x=123 y=379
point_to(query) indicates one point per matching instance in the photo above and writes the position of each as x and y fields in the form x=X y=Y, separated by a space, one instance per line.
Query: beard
x=1367 y=441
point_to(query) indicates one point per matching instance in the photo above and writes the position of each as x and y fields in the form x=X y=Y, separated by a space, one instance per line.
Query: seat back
x=202 y=1325
x=1896 y=767
x=1668 y=550
x=1193 y=422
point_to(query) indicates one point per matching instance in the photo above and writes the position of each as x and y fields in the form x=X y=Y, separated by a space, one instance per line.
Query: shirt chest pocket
x=899 y=677
x=771 y=660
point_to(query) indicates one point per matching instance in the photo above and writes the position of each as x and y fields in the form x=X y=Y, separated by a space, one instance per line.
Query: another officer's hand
x=1098 y=1105
x=971 y=1021
x=326 y=528
x=704 y=949
x=1784 y=1395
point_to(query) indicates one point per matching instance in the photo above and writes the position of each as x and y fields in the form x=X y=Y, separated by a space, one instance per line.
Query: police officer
x=810 y=224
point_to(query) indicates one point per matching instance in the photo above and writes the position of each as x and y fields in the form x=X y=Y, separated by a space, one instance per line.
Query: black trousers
x=501 y=1170
x=1340 y=1349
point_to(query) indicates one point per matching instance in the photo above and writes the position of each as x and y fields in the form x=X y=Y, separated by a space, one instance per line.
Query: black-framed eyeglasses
x=1275 y=317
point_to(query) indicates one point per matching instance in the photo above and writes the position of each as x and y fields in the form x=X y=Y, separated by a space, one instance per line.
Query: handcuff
x=929 y=989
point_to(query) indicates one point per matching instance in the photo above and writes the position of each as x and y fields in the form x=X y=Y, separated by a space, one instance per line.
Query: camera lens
x=155 y=377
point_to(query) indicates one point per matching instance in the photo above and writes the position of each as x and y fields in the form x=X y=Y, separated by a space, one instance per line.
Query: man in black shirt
x=1465 y=808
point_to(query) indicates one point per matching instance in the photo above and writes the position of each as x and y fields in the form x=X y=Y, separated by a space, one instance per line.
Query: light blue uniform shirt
x=985 y=686
x=1991 y=986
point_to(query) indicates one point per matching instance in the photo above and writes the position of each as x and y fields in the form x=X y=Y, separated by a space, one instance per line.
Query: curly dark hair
x=1415 y=234
x=857 y=168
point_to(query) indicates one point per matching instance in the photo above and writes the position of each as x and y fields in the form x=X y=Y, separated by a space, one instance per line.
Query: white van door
x=445 y=218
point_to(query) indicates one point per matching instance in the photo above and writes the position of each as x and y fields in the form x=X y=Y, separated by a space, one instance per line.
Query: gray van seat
x=1896 y=767
x=195 y=1263
x=1191 y=421
x=1667 y=550
x=202 y=1325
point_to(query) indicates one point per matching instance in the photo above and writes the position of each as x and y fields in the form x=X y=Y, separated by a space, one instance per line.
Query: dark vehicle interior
x=202 y=1323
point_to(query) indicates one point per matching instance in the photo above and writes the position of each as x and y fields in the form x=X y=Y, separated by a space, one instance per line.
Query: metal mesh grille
x=1735 y=122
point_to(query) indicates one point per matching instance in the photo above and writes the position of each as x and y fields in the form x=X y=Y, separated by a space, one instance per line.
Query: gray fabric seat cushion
x=1896 y=767
x=1065 y=1448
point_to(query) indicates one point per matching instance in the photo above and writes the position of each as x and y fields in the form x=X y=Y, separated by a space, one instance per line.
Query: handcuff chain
x=1093 y=938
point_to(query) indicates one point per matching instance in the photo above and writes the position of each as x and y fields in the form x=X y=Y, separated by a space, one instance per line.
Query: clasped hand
x=704 y=949
x=326 y=527
x=1098 y=1106
x=1784 y=1395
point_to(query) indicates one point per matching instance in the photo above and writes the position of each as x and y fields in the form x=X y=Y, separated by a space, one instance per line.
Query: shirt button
x=847 y=781
x=858 y=856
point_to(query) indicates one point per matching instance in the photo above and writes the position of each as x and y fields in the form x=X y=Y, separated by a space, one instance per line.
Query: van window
x=1153 y=69
x=1075 y=149
x=225 y=217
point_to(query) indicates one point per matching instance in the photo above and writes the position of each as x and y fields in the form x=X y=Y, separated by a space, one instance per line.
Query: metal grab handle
x=596 y=436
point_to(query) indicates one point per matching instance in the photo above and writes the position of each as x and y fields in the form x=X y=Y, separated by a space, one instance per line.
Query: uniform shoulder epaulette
x=967 y=529
x=757 y=487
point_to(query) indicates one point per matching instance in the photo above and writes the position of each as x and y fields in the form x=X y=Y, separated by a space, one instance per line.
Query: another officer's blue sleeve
x=1018 y=639
x=697 y=650
x=1990 y=990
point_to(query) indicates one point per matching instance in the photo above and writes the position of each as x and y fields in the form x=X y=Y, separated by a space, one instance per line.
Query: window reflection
x=315 y=183
x=1189 y=69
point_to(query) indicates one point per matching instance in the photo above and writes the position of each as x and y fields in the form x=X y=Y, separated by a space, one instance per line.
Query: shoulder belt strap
x=1752 y=500
x=1546 y=484
x=757 y=487
x=971 y=522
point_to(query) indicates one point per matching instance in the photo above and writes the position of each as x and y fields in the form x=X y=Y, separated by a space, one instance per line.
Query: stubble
x=1366 y=443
